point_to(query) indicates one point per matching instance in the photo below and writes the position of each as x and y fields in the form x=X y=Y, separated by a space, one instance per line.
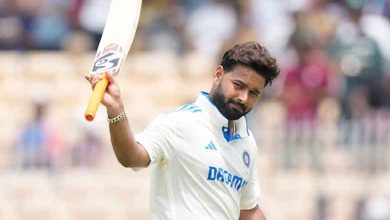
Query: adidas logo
x=211 y=146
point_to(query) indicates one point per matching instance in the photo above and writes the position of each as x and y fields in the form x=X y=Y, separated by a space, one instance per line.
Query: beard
x=231 y=108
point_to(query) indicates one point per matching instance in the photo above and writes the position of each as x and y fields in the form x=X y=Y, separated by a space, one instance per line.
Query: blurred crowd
x=42 y=145
x=326 y=48
x=334 y=57
x=334 y=54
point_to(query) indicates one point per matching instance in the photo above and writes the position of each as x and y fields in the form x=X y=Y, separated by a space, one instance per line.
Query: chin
x=234 y=115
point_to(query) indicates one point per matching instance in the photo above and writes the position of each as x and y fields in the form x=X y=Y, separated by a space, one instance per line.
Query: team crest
x=246 y=158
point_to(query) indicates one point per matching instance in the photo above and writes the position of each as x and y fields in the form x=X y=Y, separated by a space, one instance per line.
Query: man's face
x=236 y=92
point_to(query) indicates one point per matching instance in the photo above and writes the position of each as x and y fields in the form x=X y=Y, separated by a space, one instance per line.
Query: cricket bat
x=117 y=37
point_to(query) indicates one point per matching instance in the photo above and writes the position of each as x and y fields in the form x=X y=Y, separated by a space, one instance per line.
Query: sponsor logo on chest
x=216 y=172
x=221 y=175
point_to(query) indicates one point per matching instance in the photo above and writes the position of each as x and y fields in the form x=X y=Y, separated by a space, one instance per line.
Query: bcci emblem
x=246 y=158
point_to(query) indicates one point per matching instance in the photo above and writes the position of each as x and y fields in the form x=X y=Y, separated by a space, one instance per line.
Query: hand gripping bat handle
x=96 y=98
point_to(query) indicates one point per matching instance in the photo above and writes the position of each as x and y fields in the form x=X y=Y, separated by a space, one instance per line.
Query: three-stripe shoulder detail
x=189 y=108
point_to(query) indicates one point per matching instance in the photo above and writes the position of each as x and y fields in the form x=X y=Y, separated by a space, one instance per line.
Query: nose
x=243 y=97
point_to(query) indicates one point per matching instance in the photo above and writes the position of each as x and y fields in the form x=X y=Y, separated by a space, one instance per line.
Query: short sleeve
x=250 y=194
x=157 y=139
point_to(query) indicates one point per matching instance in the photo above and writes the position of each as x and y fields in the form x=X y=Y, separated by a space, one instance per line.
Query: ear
x=218 y=74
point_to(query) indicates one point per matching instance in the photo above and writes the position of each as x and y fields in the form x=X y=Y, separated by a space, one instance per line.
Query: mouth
x=237 y=107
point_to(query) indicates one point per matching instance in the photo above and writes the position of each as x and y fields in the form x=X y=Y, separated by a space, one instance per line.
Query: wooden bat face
x=118 y=35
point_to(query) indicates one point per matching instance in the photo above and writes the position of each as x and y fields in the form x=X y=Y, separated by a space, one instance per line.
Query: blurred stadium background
x=322 y=129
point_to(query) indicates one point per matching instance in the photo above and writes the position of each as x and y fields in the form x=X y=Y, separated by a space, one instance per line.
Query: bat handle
x=96 y=98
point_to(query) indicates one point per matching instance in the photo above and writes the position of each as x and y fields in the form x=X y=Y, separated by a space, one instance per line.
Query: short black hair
x=254 y=56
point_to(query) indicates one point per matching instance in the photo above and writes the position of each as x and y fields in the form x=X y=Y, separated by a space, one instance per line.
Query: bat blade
x=117 y=37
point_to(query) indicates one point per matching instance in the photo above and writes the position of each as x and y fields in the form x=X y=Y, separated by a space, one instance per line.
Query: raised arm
x=128 y=152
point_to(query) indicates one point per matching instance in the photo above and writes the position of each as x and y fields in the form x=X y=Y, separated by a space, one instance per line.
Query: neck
x=232 y=127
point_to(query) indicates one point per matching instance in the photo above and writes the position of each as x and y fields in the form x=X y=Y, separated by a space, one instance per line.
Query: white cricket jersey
x=198 y=170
